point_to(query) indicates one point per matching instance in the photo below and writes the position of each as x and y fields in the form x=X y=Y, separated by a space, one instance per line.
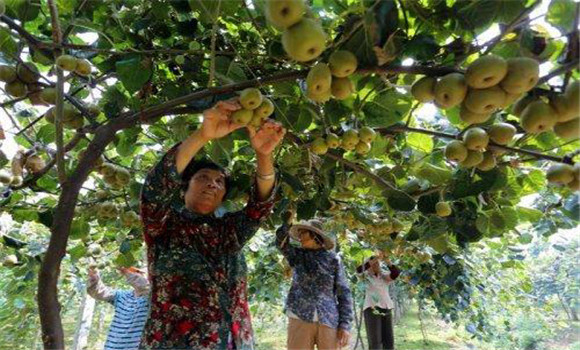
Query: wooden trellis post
x=81 y=339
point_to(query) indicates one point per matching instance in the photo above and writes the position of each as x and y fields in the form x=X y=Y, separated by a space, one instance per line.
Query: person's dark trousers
x=379 y=325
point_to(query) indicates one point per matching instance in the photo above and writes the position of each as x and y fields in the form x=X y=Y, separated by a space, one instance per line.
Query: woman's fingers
x=227 y=106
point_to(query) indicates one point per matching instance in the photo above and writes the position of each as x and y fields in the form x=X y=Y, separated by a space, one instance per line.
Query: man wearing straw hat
x=319 y=304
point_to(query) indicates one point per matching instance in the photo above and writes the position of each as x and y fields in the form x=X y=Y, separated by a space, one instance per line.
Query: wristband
x=266 y=177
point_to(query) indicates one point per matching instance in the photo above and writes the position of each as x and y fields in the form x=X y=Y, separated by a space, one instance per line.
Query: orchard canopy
x=422 y=128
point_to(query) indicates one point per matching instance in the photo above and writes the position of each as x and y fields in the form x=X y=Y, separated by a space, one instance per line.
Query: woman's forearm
x=265 y=175
x=188 y=149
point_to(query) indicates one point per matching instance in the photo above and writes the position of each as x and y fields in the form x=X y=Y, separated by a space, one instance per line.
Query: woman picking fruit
x=198 y=273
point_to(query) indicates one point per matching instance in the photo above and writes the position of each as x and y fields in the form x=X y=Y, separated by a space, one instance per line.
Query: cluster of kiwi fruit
x=70 y=63
x=21 y=80
x=565 y=174
x=255 y=108
x=115 y=176
x=490 y=83
x=560 y=112
x=472 y=151
x=331 y=79
x=109 y=210
x=31 y=162
x=303 y=38
x=351 y=140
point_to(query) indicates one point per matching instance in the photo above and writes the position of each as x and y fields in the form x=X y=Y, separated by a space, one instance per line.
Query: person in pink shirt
x=378 y=304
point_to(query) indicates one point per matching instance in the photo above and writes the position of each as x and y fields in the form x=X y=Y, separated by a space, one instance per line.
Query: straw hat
x=314 y=226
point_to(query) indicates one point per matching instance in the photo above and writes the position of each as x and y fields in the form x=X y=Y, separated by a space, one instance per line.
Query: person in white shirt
x=378 y=304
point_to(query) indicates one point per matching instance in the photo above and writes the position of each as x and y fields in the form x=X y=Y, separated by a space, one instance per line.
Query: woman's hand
x=216 y=120
x=343 y=337
x=267 y=137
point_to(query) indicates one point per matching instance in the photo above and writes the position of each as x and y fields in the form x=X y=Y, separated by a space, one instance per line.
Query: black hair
x=363 y=267
x=317 y=238
x=196 y=165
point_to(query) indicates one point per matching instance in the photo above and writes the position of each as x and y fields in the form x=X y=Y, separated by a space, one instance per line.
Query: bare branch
x=560 y=70
x=511 y=26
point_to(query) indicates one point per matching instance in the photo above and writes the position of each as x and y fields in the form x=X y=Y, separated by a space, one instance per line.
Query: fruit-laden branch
x=31 y=180
x=129 y=119
x=492 y=145
x=50 y=46
x=359 y=169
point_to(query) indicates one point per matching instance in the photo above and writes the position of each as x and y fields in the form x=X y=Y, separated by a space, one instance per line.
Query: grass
x=271 y=334
x=438 y=334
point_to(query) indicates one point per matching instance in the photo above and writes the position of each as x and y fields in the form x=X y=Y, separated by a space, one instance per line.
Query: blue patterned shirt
x=319 y=285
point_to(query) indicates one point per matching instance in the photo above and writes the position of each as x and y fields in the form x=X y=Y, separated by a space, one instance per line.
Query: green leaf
x=360 y=43
x=77 y=252
x=306 y=209
x=3 y=159
x=125 y=260
x=21 y=215
x=400 y=201
x=293 y=181
x=426 y=204
x=46 y=133
x=79 y=229
x=422 y=47
x=482 y=223
x=386 y=108
x=335 y=111
x=378 y=147
x=220 y=150
x=305 y=118
x=133 y=72
x=572 y=207
x=127 y=143
x=113 y=101
x=511 y=217
x=125 y=247
x=209 y=10
x=561 y=14
x=525 y=238
x=66 y=7
x=529 y=214
x=46 y=217
x=434 y=174
x=421 y=142
x=24 y=10
x=229 y=71
x=8 y=46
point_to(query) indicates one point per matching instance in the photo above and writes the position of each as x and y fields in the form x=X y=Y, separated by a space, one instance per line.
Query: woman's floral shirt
x=319 y=285
x=197 y=270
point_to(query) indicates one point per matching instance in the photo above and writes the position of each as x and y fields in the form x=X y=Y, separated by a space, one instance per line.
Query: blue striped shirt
x=130 y=316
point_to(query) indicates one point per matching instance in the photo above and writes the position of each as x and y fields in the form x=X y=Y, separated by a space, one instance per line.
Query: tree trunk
x=48 y=305
x=84 y=323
